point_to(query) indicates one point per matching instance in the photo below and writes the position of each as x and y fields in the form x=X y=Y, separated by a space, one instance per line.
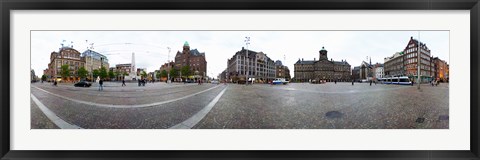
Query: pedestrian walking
x=335 y=81
x=100 y=87
x=123 y=83
x=370 y=82
x=352 y=82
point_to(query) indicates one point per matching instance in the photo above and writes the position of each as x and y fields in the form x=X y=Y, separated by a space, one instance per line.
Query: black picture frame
x=9 y=5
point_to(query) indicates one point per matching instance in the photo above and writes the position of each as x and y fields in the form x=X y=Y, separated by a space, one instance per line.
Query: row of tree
x=185 y=72
x=103 y=73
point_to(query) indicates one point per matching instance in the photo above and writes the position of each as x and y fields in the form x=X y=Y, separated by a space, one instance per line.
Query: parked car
x=82 y=84
x=215 y=82
x=280 y=81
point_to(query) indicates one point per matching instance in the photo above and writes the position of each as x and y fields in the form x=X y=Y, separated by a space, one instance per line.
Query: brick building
x=441 y=69
x=194 y=59
x=405 y=63
x=282 y=71
x=65 y=56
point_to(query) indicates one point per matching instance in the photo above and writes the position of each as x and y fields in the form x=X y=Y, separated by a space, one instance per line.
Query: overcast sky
x=150 y=47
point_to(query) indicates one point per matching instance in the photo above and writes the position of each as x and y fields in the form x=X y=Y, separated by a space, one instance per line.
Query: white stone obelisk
x=133 y=72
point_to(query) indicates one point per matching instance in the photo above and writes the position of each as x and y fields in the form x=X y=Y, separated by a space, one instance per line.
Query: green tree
x=103 y=73
x=111 y=74
x=65 y=71
x=144 y=74
x=186 y=71
x=117 y=74
x=44 y=77
x=95 y=73
x=157 y=74
x=82 y=72
x=164 y=73
x=173 y=72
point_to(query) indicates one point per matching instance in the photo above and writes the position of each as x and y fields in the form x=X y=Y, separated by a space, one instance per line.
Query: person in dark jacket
x=100 y=87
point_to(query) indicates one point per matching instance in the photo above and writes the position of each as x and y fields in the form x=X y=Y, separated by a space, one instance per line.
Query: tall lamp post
x=168 y=63
x=284 y=71
x=247 y=42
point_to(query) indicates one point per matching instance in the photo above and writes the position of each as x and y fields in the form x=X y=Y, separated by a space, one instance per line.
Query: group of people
x=142 y=82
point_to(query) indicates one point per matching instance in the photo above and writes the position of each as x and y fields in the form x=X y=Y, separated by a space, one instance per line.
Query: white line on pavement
x=125 y=106
x=192 y=121
x=52 y=116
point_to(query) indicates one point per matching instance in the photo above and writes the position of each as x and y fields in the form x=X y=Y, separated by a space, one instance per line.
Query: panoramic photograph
x=239 y=79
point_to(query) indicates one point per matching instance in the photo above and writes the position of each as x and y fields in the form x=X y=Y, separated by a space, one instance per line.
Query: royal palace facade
x=323 y=69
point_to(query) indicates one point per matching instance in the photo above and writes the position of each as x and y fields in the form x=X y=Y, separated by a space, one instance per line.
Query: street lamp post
x=247 y=42
x=168 y=63
x=91 y=64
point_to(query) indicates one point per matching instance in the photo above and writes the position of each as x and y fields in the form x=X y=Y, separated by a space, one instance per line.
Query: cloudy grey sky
x=151 y=51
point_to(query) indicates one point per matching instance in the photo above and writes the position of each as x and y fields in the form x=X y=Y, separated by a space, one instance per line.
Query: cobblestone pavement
x=341 y=105
x=258 y=106
x=39 y=120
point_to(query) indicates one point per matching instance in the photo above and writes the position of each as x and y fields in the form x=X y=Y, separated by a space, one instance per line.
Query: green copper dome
x=323 y=49
x=186 y=44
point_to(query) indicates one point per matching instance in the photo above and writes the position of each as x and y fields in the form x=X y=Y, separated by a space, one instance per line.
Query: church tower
x=186 y=48
x=323 y=54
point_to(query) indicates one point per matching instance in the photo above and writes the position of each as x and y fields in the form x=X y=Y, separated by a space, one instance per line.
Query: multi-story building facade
x=65 y=56
x=356 y=73
x=94 y=61
x=323 y=69
x=46 y=72
x=426 y=63
x=194 y=59
x=167 y=66
x=260 y=67
x=124 y=70
x=282 y=71
x=223 y=76
x=378 y=71
x=394 y=65
x=441 y=70
x=405 y=63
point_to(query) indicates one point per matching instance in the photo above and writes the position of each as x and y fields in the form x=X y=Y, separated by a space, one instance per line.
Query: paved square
x=234 y=106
